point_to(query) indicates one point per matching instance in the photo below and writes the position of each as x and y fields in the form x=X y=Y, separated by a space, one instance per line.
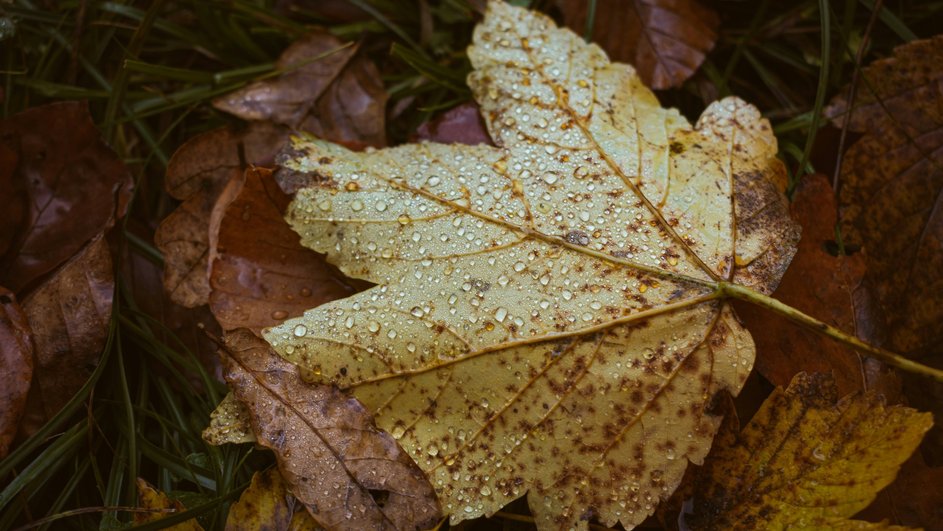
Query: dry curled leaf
x=69 y=316
x=267 y=505
x=262 y=275
x=16 y=367
x=807 y=460
x=892 y=190
x=206 y=174
x=160 y=506
x=347 y=473
x=546 y=320
x=71 y=183
x=830 y=288
x=665 y=40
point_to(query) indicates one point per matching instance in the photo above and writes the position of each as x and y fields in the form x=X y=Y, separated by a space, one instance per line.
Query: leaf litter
x=544 y=321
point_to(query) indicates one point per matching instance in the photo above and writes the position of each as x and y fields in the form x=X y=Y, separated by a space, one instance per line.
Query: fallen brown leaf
x=914 y=498
x=262 y=275
x=665 y=40
x=73 y=184
x=892 y=190
x=460 y=125
x=348 y=474
x=206 y=173
x=268 y=505
x=309 y=65
x=16 y=367
x=830 y=288
x=69 y=316
x=352 y=109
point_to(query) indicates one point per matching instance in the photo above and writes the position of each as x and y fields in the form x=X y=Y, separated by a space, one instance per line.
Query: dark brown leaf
x=16 y=367
x=262 y=275
x=347 y=473
x=892 y=190
x=459 y=125
x=73 y=184
x=828 y=287
x=309 y=65
x=69 y=316
x=914 y=499
x=206 y=173
x=665 y=40
x=353 y=108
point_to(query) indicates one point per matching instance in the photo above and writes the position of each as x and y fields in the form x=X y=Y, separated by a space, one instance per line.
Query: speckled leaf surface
x=546 y=319
x=807 y=460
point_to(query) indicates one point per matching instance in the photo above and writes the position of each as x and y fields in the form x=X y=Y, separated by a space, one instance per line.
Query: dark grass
x=148 y=70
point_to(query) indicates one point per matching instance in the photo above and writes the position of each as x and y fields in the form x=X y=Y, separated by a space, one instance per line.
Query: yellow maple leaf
x=806 y=461
x=548 y=318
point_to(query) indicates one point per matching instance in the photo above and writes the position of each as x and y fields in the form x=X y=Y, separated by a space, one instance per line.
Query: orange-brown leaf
x=349 y=474
x=262 y=275
x=665 y=40
x=206 y=173
x=828 y=287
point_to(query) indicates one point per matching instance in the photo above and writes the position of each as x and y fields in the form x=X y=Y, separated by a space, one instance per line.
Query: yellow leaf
x=806 y=460
x=547 y=319
x=229 y=423
x=161 y=507
x=267 y=504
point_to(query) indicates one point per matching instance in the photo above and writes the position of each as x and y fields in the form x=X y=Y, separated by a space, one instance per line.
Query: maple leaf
x=548 y=316
x=830 y=457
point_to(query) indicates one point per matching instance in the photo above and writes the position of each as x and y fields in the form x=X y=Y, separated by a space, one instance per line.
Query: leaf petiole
x=734 y=291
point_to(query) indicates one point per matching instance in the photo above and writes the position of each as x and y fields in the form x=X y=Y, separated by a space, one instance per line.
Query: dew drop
x=380 y=206
x=300 y=331
x=279 y=315
x=373 y=326
x=398 y=432
x=519 y=267
x=500 y=314
x=356 y=205
x=325 y=205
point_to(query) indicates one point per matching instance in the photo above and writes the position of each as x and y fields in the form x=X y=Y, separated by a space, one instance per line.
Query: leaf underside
x=545 y=319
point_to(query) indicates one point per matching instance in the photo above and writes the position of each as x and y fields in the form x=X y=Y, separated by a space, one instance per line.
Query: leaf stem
x=730 y=290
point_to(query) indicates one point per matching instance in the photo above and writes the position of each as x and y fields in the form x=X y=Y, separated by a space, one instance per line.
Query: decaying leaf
x=913 y=499
x=346 y=472
x=161 y=506
x=326 y=88
x=666 y=40
x=73 y=187
x=69 y=316
x=262 y=275
x=806 y=460
x=830 y=288
x=206 y=174
x=892 y=190
x=16 y=367
x=268 y=505
x=546 y=318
